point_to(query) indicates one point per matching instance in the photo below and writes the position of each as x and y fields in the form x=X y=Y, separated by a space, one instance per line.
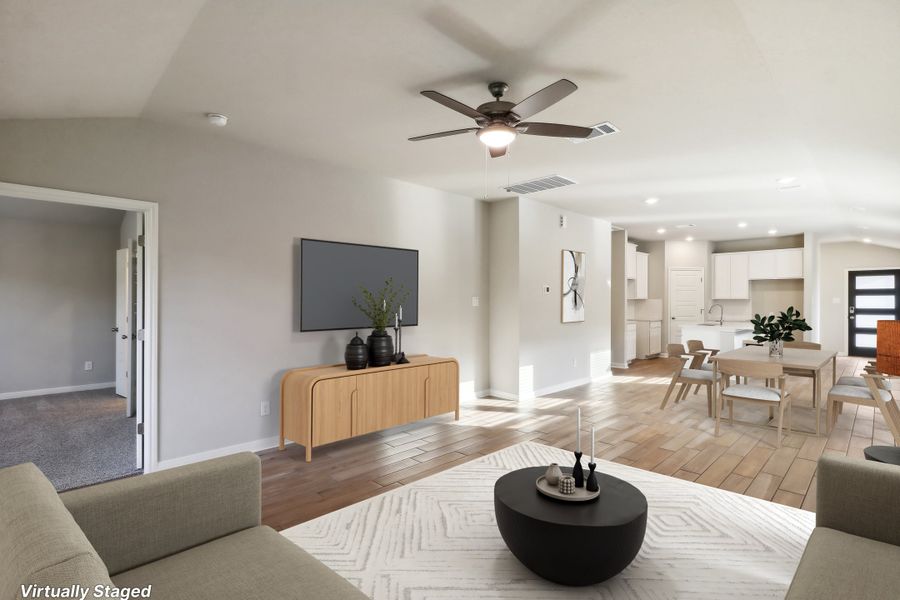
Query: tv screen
x=331 y=274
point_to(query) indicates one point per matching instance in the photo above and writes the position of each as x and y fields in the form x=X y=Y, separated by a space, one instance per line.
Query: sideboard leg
x=308 y=453
x=456 y=418
x=281 y=442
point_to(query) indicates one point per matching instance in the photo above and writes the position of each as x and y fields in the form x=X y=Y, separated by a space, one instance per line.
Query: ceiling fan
x=499 y=122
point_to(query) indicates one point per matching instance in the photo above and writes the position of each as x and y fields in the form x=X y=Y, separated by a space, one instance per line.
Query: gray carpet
x=76 y=439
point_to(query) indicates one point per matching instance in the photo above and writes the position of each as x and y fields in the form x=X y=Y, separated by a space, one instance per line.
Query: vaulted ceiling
x=715 y=99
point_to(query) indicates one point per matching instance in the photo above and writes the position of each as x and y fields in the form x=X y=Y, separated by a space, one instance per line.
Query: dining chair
x=807 y=374
x=706 y=365
x=772 y=397
x=692 y=375
x=877 y=394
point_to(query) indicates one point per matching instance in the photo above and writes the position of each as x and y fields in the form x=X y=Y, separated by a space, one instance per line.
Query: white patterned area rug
x=436 y=539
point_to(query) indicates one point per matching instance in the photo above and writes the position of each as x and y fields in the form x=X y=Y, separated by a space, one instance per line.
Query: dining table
x=809 y=362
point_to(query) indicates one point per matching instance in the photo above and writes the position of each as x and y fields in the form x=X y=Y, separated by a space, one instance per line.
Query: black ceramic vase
x=356 y=356
x=381 y=348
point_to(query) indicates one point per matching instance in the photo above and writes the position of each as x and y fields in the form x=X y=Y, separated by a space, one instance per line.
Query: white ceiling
x=59 y=212
x=715 y=99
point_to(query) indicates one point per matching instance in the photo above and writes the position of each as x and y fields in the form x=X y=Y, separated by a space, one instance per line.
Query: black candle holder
x=401 y=355
x=578 y=471
x=592 y=484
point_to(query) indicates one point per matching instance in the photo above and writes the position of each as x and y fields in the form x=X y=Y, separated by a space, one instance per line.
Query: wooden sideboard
x=325 y=404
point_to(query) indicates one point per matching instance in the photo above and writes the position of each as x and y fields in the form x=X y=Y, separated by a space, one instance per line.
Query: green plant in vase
x=778 y=330
x=379 y=305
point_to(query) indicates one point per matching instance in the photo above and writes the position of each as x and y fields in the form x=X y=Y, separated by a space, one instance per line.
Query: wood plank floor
x=678 y=441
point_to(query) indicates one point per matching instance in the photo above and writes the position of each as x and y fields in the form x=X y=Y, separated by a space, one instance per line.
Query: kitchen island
x=728 y=336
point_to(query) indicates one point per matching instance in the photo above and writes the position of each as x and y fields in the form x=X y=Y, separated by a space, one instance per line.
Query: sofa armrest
x=859 y=497
x=134 y=521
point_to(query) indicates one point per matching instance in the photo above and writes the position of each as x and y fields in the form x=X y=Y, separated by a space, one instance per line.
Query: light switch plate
x=88 y=365
x=546 y=289
x=475 y=300
x=264 y=408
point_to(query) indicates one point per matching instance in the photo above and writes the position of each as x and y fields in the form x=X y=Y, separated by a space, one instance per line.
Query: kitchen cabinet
x=630 y=341
x=637 y=288
x=785 y=263
x=789 y=263
x=631 y=261
x=648 y=336
x=731 y=277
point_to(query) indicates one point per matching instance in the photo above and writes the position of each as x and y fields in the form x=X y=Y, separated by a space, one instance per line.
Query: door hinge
x=141 y=240
x=140 y=335
x=140 y=429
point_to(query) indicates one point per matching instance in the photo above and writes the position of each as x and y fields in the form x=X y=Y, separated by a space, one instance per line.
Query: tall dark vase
x=356 y=356
x=381 y=348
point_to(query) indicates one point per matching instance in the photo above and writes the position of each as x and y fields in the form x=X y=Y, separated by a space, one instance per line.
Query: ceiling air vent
x=539 y=185
x=600 y=130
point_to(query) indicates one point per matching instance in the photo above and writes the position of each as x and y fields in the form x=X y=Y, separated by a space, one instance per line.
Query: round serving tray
x=551 y=491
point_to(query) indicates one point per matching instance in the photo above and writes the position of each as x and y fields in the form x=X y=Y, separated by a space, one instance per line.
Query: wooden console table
x=325 y=404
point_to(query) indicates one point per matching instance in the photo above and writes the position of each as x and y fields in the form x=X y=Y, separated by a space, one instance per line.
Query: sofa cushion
x=40 y=543
x=254 y=564
x=839 y=565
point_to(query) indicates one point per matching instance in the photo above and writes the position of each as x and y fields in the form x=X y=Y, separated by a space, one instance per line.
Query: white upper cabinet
x=642 y=275
x=789 y=263
x=733 y=271
x=731 y=280
x=631 y=261
x=762 y=264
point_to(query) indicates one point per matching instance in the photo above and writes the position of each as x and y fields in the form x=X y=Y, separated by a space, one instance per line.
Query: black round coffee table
x=883 y=454
x=566 y=542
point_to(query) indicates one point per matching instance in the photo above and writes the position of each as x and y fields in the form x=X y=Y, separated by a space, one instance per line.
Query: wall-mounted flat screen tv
x=331 y=274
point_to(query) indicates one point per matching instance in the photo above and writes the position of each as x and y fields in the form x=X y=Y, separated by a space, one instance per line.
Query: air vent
x=539 y=185
x=600 y=130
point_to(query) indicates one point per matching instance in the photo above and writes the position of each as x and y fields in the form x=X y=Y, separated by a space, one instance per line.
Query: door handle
x=124 y=337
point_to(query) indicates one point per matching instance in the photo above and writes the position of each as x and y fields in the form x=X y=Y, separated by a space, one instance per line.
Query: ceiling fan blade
x=497 y=152
x=454 y=105
x=441 y=134
x=554 y=130
x=544 y=98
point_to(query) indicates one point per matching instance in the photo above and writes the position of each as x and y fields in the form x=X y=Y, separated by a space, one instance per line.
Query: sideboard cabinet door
x=442 y=389
x=332 y=410
x=388 y=399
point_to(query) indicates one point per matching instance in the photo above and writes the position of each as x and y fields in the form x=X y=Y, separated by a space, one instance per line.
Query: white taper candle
x=401 y=312
x=578 y=430
x=593 y=438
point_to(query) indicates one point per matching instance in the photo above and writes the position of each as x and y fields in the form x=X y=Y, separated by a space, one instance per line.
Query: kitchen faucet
x=721 y=313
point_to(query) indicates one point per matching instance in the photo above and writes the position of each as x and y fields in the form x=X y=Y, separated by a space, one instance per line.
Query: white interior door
x=687 y=300
x=122 y=329
x=139 y=346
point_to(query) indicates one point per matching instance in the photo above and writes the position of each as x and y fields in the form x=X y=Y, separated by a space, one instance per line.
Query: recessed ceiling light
x=661 y=230
x=684 y=226
x=786 y=183
x=651 y=201
x=773 y=231
x=867 y=240
x=742 y=225
x=689 y=238
x=217 y=119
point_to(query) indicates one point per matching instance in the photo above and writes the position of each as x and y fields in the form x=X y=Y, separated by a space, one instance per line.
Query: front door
x=687 y=300
x=874 y=296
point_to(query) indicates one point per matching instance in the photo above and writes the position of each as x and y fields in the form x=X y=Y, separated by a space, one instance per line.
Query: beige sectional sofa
x=193 y=533
x=854 y=551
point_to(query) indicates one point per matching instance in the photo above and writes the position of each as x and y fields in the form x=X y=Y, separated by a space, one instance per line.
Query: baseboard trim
x=57 y=390
x=559 y=387
x=503 y=395
x=254 y=446
x=619 y=365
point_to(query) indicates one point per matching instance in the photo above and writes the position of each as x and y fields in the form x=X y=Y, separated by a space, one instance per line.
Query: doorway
x=687 y=300
x=872 y=296
x=138 y=382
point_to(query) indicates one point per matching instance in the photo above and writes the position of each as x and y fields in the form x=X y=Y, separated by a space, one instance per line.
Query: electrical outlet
x=476 y=300
x=264 y=408
x=88 y=365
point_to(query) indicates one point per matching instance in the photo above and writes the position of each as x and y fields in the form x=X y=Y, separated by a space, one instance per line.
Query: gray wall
x=57 y=304
x=229 y=215
x=504 y=285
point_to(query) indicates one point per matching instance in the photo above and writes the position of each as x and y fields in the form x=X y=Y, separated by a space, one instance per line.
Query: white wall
x=555 y=355
x=504 y=297
x=835 y=259
x=57 y=304
x=229 y=215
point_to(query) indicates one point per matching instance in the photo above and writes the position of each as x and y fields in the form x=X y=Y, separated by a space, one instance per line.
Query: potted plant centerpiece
x=378 y=306
x=778 y=330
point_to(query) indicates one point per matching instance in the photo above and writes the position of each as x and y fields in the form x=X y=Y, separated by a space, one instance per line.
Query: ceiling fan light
x=497 y=135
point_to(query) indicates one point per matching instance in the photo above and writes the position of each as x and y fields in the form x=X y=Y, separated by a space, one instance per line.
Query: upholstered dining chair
x=773 y=397
x=687 y=374
x=876 y=393
x=696 y=346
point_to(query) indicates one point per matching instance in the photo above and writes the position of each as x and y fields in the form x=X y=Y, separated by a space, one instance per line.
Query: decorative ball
x=553 y=474
x=567 y=485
